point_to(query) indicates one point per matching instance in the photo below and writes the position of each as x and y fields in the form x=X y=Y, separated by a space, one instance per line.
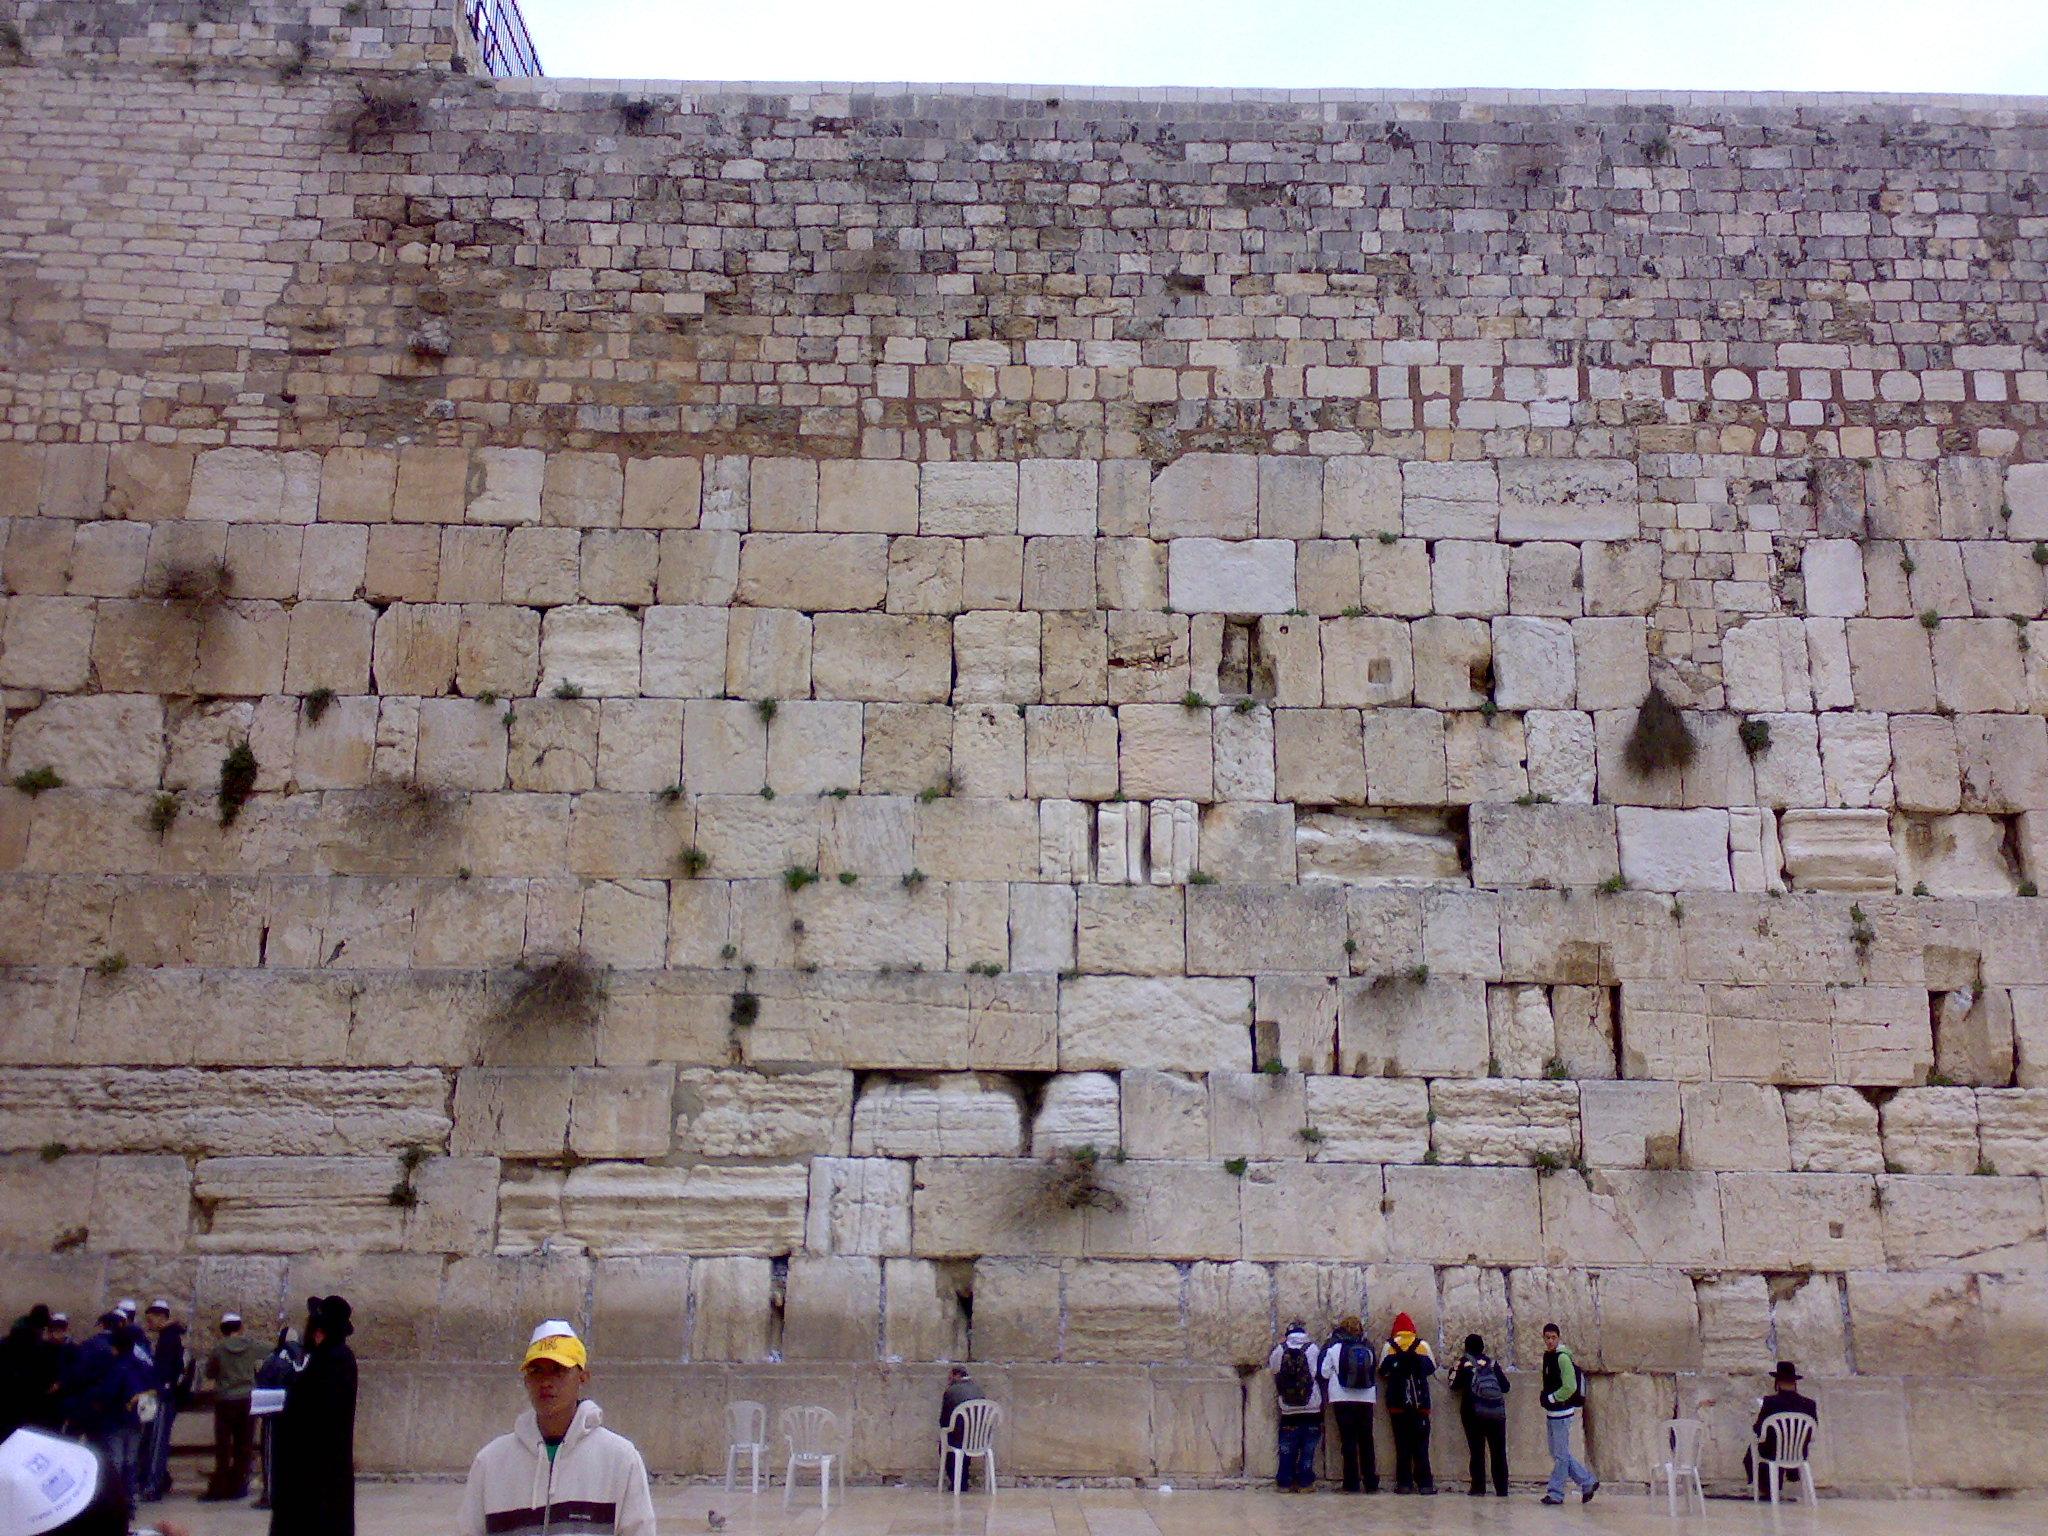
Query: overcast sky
x=1743 y=45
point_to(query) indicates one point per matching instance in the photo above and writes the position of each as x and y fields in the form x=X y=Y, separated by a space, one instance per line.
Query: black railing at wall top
x=501 y=34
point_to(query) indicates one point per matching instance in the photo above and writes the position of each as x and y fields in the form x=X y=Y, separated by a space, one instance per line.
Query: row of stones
x=717 y=1113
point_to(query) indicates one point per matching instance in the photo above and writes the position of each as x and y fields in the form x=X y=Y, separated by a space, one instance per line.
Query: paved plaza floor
x=428 y=1509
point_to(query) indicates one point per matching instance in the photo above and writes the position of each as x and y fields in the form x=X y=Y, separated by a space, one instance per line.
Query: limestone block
x=955 y=1115
x=252 y=485
x=1766 y=666
x=1148 y=657
x=1627 y=1216
x=1504 y=1120
x=1319 y=756
x=1137 y=931
x=1468 y=577
x=967 y=498
x=1931 y=1130
x=1974 y=1036
x=1165 y=1114
x=1123 y=1312
x=1560 y=750
x=1079 y=1109
x=1926 y=771
x=882 y=657
x=969 y=1207
x=1978 y=666
x=147 y=482
x=1366 y=662
x=497 y=650
x=505 y=486
x=1734 y=1125
x=1207 y=494
x=1369 y=1119
x=285 y=1205
x=1059 y=574
x=1880 y=1036
x=961 y=839
x=330 y=647
x=1225 y=576
x=1547 y=580
x=1533 y=664
x=858 y=1205
x=1377 y=847
x=1407 y=757
x=1568 y=499
x=1257 y=1115
x=725 y=747
x=1249 y=928
x=996 y=657
x=1272 y=1196
x=1987 y=1223
x=992 y=572
x=782 y=495
x=1521 y=1033
x=1172 y=841
x=1801 y=1221
x=1555 y=845
x=1673 y=850
x=1833 y=572
x=664 y=492
x=1832 y=1130
x=1631 y=1125
x=1450 y=500
x=1042 y=919
x=1074 y=658
x=626 y=1208
x=554 y=745
x=2004 y=761
x=622 y=1111
x=697 y=567
x=1613 y=667
x=1361 y=496
x=924 y=575
x=1483 y=759
x=1846 y=850
x=1294 y=1021
x=1112 y=1022
x=730 y=1308
x=92 y=741
x=1164 y=751
x=1394 y=578
x=2013 y=1129
x=813 y=571
x=1064 y=841
x=1954 y=855
x=1396 y=1026
x=905 y=748
x=814 y=747
x=866 y=496
x=1453 y=662
x=582 y=490
x=1468 y=1215
x=47 y=643
x=768 y=653
x=834 y=1305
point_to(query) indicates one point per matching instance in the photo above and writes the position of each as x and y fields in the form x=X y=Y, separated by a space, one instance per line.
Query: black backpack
x=1294 y=1381
x=1354 y=1364
x=1485 y=1391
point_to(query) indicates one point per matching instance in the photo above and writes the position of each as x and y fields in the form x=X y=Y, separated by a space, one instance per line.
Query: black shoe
x=1547 y=1499
x=1587 y=1496
x=1402 y=1488
x=1429 y=1492
x=1475 y=1493
x=1500 y=1493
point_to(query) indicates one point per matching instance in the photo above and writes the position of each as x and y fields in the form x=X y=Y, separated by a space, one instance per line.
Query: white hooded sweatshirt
x=596 y=1485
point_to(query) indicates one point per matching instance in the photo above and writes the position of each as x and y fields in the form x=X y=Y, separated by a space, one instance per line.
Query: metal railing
x=501 y=35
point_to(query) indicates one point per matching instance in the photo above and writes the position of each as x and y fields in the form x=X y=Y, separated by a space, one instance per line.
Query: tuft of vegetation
x=2028 y=888
x=767 y=791
x=1660 y=739
x=110 y=965
x=1417 y=975
x=568 y=690
x=1201 y=877
x=1310 y=1134
x=557 y=991
x=1861 y=934
x=1920 y=888
x=316 y=704
x=237 y=781
x=1986 y=1169
x=796 y=877
x=1929 y=619
x=1907 y=564
x=1236 y=1166
x=70 y=1238
x=765 y=708
x=692 y=862
x=1547 y=1162
x=635 y=112
x=294 y=63
x=913 y=880
x=985 y=968
x=202 y=585
x=1756 y=735
x=1557 y=1069
x=728 y=952
x=406 y=808
x=53 y=1151
x=35 y=780
x=745 y=1009
x=1656 y=149
x=12 y=46
x=1388 y=537
x=1351 y=946
x=384 y=109
x=1193 y=700
x=1073 y=1181
x=1273 y=1066
x=1429 y=1158
x=2040 y=553
x=1613 y=885
x=938 y=791
x=163 y=810
x=1245 y=706
x=405 y=1193
x=847 y=877
x=669 y=794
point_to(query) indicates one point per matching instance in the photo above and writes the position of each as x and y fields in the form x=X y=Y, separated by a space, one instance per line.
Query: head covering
x=331 y=1315
x=44 y=1481
x=60 y=1319
x=1404 y=1329
x=555 y=1340
x=160 y=1305
x=230 y=1317
x=125 y=1306
x=1786 y=1371
x=1474 y=1345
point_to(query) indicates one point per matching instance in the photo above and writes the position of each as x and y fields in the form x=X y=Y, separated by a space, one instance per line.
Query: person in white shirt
x=1350 y=1367
x=559 y=1467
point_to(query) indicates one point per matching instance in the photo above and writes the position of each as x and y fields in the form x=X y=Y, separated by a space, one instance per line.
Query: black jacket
x=1553 y=1382
x=315 y=1492
x=1461 y=1378
x=1406 y=1373
x=1784 y=1402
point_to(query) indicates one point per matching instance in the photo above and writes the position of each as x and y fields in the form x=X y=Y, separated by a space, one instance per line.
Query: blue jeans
x=122 y=1446
x=1300 y=1434
x=155 y=1472
x=1564 y=1466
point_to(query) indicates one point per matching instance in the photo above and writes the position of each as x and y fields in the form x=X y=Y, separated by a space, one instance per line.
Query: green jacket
x=233 y=1367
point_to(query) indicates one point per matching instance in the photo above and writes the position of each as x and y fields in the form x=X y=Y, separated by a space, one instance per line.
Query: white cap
x=159 y=1305
x=60 y=1317
x=44 y=1481
x=125 y=1305
x=553 y=1328
x=231 y=1317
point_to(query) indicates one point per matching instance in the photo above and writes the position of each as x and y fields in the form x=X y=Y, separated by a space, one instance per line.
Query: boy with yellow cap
x=559 y=1464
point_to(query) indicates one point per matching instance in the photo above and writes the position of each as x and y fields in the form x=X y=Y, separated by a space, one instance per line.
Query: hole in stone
x=1244 y=670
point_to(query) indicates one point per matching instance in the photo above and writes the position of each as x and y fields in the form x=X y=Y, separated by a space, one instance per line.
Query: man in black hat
x=1785 y=1398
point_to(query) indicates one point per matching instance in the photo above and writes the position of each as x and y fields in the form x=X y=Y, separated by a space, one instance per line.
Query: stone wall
x=809 y=652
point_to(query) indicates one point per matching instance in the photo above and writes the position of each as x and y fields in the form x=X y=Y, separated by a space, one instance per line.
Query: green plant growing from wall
x=1661 y=739
x=237 y=781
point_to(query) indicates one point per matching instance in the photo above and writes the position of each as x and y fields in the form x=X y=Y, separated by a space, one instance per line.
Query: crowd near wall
x=834 y=729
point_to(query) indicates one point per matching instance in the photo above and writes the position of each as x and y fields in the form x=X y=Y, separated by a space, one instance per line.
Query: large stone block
x=1211 y=495
x=1113 y=1022
x=1505 y=1120
x=1568 y=499
x=1400 y=1025
x=1546 y=845
x=965 y=1115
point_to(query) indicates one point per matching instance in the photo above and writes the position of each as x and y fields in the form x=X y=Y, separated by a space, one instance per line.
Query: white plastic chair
x=746 y=1429
x=1791 y=1436
x=1683 y=1439
x=976 y=1420
x=813 y=1436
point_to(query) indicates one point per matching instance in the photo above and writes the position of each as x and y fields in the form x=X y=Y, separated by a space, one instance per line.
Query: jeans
x=1354 y=1442
x=1564 y=1466
x=155 y=1472
x=1411 y=1452
x=1487 y=1440
x=122 y=1446
x=1300 y=1433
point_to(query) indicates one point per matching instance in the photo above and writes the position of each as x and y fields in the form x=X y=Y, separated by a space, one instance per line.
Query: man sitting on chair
x=1785 y=1398
x=960 y=1388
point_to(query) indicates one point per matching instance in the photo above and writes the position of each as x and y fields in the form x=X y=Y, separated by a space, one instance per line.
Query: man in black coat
x=316 y=1433
x=1785 y=1398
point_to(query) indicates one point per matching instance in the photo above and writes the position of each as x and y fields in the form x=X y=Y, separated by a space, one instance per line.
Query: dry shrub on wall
x=386 y=108
x=404 y=808
x=553 y=993
x=1661 y=740
x=1073 y=1181
x=201 y=585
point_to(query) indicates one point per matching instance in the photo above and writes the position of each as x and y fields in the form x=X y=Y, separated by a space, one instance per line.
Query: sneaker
x=1547 y=1499
x=1587 y=1496
x=1429 y=1492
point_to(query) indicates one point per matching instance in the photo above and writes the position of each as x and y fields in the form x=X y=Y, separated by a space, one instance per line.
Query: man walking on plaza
x=1564 y=1394
x=559 y=1465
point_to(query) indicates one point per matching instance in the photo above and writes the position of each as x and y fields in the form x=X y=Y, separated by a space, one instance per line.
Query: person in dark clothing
x=1406 y=1366
x=1481 y=1386
x=106 y=1383
x=1785 y=1398
x=28 y=1372
x=274 y=1375
x=960 y=1388
x=232 y=1370
x=167 y=1366
x=316 y=1432
x=1350 y=1384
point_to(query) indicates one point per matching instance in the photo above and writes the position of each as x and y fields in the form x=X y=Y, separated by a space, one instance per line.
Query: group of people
x=1347 y=1375
x=120 y=1391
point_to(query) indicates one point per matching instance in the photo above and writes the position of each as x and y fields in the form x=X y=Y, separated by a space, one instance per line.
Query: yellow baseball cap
x=555 y=1340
